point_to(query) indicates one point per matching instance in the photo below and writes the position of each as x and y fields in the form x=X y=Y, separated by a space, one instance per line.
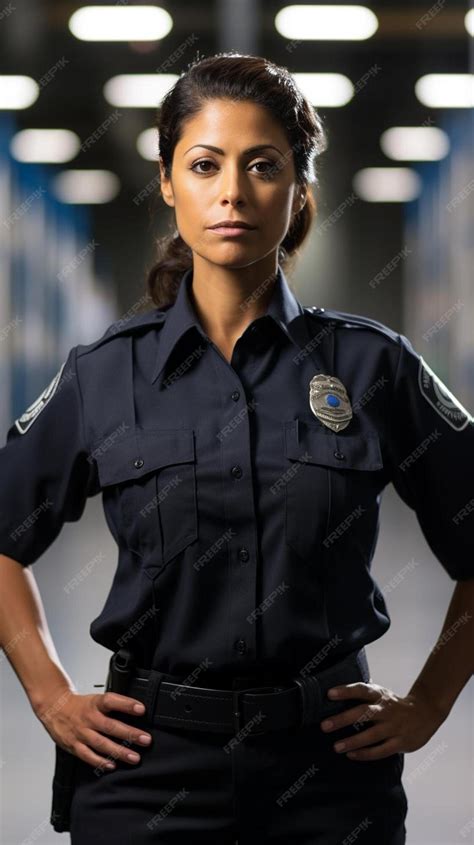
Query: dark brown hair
x=235 y=76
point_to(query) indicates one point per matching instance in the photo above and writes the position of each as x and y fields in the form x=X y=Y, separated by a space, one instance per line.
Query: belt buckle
x=237 y=711
x=311 y=699
x=299 y=684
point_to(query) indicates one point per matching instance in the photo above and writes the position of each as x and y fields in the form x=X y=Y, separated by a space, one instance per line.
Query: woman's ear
x=299 y=199
x=166 y=187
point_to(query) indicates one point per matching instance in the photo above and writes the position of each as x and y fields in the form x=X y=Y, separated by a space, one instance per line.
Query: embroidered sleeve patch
x=32 y=413
x=441 y=398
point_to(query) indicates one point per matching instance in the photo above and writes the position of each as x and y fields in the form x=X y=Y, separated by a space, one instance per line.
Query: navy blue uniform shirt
x=245 y=526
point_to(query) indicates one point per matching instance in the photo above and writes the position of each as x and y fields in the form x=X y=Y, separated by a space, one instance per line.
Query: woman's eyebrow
x=248 y=150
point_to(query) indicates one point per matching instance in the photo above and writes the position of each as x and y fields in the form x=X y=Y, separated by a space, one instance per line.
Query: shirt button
x=138 y=463
x=340 y=456
x=244 y=554
x=241 y=646
x=236 y=471
x=235 y=395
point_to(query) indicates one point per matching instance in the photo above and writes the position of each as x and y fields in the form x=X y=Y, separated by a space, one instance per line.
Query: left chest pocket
x=329 y=476
x=151 y=475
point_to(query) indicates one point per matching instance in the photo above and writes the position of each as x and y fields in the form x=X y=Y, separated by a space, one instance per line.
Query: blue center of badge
x=332 y=400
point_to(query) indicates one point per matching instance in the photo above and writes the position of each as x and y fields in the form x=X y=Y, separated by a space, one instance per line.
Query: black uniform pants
x=282 y=788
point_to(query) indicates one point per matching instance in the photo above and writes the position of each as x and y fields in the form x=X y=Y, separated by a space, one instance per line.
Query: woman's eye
x=269 y=165
x=203 y=161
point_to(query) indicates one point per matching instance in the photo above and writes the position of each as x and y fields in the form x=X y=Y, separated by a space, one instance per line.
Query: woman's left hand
x=402 y=723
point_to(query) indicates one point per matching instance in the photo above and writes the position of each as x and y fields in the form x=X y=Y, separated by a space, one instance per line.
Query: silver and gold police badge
x=329 y=401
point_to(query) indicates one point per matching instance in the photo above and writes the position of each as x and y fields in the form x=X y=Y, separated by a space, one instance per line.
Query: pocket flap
x=319 y=445
x=142 y=452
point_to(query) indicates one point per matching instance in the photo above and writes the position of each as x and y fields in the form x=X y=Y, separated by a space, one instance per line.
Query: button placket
x=239 y=504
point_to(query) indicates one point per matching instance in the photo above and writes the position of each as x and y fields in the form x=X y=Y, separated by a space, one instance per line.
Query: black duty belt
x=302 y=701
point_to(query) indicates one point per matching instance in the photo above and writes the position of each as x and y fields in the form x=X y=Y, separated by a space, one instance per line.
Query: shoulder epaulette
x=153 y=317
x=351 y=320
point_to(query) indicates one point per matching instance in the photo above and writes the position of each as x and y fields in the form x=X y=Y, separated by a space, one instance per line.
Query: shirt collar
x=283 y=308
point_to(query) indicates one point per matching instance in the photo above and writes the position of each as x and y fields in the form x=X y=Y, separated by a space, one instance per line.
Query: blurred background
x=392 y=240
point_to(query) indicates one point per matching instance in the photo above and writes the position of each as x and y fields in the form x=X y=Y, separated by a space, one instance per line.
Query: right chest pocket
x=151 y=477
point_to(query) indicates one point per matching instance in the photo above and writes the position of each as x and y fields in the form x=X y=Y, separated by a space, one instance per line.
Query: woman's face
x=257 y=187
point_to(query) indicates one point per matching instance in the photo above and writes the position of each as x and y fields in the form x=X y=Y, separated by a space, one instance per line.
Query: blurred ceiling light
x=469 y=21
x=415 y=143
x=325 y=89
x=17 y=92
x=86 y=186
x=45 y=145
x=118 y=23
x=147 y=144
x=138 y=90
x=387 y=184
x=446 y=90
x=323 y=23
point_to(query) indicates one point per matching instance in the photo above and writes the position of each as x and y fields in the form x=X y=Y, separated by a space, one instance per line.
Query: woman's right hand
x=78 y=723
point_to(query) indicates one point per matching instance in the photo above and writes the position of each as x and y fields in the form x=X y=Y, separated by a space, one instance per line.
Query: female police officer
x=241 y=442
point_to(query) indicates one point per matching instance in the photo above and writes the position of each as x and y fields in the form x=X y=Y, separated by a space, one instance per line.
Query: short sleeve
x=46 y=473
x=431 y=447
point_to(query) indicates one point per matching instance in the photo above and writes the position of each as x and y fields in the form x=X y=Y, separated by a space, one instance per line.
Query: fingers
x=114 y=701
x=113 y=727
x=98 y=723
x=357 y=747
x=367 y=737
x=378 y=752
x=89 y=756
x=112 y=751
x=360 y=714
x=357 y=690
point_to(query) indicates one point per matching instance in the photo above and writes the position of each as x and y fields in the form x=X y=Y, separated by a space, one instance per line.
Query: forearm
x=25 y=636
x=450 y=664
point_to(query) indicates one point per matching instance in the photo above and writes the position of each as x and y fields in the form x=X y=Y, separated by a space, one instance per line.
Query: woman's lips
x=231 y=230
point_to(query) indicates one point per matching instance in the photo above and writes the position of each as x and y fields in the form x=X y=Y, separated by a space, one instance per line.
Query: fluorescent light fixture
x=387 y=184
x=86 y=186
x=326 y=23
x=45 y=145
x=17 y=92
x=415 y=143
x=446 y=90
x=147 y=144
x=469 y=21
x=138 y=90
x=325 y=89
x=120 y=23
